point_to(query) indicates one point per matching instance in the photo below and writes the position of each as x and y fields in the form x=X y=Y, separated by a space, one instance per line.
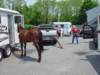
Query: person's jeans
x=75 y=36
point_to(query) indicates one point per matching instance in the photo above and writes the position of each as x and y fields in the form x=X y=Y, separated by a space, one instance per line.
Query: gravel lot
x=72 y=60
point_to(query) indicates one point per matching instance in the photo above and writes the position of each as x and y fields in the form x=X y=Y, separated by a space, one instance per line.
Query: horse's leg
x=41 y=41
x=21 y=49
x=25 y=49
x=38 y=50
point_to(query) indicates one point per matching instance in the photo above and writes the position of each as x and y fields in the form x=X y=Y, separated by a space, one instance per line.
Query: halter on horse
x=32 y=35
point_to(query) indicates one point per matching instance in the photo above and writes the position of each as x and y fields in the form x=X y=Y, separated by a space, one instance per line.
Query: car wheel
x=7 y=51
x=1 y=55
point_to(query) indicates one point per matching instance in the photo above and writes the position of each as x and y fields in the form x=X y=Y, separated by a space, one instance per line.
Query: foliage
x=88 y=4
x=28 y=26
x=1 y=3
x=47 y=11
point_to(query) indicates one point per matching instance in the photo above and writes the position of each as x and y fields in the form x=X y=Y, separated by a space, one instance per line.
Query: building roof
x=9 y=11
x=92 y=13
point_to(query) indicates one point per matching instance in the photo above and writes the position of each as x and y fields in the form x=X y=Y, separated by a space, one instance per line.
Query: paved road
x=72 y=60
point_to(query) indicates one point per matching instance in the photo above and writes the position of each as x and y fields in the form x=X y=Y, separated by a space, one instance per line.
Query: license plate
x=46 y=38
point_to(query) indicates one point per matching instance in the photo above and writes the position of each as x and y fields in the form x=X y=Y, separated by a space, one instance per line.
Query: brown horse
x=32 y=35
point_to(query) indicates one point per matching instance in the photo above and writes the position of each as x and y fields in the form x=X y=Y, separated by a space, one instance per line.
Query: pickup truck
x=49 y=34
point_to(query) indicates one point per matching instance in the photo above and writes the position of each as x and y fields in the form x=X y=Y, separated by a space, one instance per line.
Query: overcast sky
x=30 y=2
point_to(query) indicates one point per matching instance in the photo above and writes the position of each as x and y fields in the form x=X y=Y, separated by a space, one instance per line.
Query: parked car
x=49 y=34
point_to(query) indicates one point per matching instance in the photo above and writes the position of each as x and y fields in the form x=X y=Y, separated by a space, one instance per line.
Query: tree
x=88 y=4
x=1 y=3
x=13 y=4
x=18 y=4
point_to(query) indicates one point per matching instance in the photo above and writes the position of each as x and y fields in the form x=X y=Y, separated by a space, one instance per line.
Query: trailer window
x=17 y=19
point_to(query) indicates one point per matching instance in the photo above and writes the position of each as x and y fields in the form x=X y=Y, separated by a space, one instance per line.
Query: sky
x=30 y=2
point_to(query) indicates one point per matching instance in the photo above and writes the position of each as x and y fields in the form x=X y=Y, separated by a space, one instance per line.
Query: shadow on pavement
x=72 y=43
x=84 y=42
x=17 y=54
x=81 y=53
x=27 y=58
x=95 y=62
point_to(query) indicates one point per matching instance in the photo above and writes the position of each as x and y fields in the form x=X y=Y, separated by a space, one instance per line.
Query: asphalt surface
x=73 y=59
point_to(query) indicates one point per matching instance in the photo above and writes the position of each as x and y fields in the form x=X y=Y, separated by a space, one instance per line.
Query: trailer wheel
x=1 y=55
x=7 y=51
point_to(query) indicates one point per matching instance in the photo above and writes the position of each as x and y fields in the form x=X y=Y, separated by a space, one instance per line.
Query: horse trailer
x=64 y=26
x=9 y=19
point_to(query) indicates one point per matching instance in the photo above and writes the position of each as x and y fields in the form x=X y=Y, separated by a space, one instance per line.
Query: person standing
x=75 y=32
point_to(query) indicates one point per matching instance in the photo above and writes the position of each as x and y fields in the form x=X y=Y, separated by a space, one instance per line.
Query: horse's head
x=20 y=28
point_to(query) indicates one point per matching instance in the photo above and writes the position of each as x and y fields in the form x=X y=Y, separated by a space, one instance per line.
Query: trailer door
x=17 y=19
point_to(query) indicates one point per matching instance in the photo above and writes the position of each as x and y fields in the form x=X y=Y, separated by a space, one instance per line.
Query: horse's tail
x=41 y=41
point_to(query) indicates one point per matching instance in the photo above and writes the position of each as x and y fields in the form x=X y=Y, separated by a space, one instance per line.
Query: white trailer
x=65 y=27
x=9 y=19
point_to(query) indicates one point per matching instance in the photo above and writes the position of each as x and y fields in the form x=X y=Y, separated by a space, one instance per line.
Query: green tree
x=88 y=4
x=1 y=3
x=13 y=4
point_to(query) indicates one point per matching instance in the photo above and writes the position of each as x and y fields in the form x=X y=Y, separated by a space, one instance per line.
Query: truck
x=9 y=19
x=49 y=34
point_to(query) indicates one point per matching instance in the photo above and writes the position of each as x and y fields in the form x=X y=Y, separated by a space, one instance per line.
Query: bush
x=28 y=26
